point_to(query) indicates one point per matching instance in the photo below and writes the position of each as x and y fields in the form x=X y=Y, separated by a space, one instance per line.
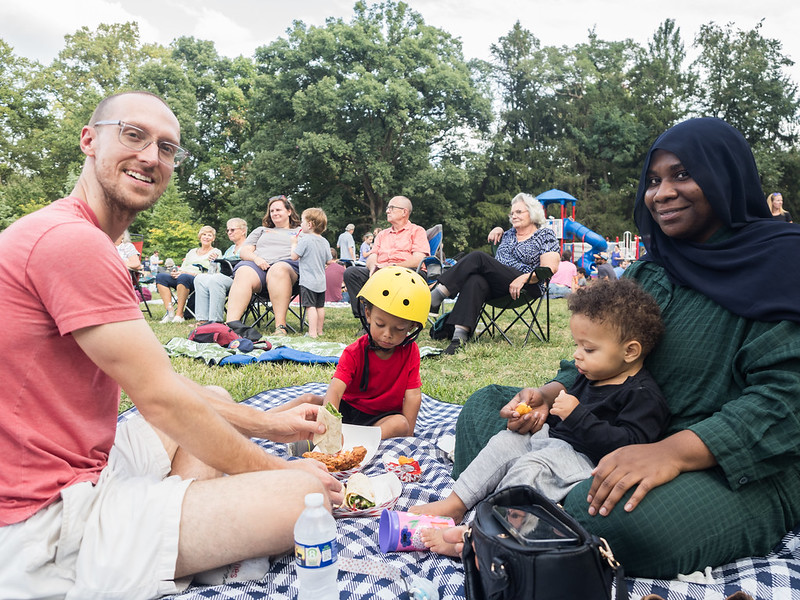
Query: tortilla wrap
x=329 y=442
x=359 y=493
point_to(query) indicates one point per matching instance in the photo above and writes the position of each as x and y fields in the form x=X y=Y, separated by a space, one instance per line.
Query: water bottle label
x=315 y=556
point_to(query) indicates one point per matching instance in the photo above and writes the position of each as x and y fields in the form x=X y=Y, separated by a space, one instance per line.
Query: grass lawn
x=448 y=378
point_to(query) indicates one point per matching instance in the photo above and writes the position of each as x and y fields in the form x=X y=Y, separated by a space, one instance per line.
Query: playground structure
x=584 y=243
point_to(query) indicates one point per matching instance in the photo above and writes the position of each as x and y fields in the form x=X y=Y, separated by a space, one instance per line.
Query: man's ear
x=633 y=351
x=88 y=140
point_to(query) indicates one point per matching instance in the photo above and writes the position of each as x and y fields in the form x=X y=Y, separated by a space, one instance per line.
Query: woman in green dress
x=725 y=481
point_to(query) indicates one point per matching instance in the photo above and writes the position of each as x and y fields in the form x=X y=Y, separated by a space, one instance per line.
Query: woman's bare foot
x=447 y=542
x=452 y=507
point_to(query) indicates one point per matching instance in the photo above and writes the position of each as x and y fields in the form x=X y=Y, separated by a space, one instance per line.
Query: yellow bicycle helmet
x=400 y=292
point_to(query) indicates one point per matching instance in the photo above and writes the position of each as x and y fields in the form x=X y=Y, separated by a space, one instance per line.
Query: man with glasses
x=90 y=508
x=403 y=244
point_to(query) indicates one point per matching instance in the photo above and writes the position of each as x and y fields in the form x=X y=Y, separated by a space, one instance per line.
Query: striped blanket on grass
x=775 y=577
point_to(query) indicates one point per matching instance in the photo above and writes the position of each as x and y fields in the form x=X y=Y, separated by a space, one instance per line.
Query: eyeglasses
x=390 y=208
x=518 y=213
x=138 y=139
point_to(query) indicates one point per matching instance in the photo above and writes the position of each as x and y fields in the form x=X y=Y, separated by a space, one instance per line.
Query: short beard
x=120 y=206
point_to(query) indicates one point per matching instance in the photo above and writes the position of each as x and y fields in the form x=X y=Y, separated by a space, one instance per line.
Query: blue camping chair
x=431 y=266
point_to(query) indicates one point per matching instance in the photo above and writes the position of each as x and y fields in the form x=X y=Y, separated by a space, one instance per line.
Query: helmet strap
x=373 y=346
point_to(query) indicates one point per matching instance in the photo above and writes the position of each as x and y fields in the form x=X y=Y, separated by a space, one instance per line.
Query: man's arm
x=413 y=262
x=127 y=349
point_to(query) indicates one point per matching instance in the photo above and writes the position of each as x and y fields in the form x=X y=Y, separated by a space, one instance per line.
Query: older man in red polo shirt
x=403 y=244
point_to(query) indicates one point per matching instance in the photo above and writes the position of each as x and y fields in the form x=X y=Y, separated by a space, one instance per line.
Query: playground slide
x=584 y=234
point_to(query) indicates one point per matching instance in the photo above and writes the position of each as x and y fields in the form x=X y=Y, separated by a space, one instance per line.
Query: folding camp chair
x=431 y=266
x=137 y=239
x=524 y=309
x=137 y=287
x=260 y=309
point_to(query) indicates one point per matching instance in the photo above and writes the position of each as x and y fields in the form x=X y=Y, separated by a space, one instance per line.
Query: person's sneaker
x=177 y=319
x=454 y=347
x=167 y=318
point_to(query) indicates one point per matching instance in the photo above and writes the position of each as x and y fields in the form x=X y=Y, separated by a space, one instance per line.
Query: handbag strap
x=619 y=573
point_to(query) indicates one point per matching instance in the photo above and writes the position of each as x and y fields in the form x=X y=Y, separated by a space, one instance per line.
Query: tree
x=745 y=85
x=218 y=105
x=661 y=86
x=347 y=115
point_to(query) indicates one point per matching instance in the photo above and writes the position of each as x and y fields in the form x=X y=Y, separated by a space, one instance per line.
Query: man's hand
x=530 y=422
x=563 y=405
x=317 y=469
x=293 y=424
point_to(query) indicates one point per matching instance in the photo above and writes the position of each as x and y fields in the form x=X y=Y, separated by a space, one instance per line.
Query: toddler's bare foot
x=449 y=507
x=447 y=542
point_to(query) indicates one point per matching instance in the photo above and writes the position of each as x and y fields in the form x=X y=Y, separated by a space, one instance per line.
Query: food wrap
x=329 y=442
x=359 y=493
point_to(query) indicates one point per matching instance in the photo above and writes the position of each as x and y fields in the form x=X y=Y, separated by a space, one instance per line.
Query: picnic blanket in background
x=298 y=349
x=776 y=576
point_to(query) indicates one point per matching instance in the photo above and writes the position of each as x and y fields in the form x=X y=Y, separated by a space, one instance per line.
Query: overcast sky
x=36 y=28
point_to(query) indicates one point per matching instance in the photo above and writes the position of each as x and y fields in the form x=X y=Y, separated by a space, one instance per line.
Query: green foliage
x=348 y=115
x=745 y=84
x=168 y=227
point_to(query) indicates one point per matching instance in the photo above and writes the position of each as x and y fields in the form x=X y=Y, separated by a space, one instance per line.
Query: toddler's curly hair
x=627 y=308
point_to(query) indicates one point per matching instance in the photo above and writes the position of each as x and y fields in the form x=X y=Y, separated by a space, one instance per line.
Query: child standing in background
x=366 y=246
x=313 y=251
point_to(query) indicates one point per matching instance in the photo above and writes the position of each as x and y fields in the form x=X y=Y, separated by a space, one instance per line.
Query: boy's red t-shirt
x=388 y=379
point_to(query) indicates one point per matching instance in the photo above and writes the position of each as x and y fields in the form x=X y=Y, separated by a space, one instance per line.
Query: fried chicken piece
x=342 y=460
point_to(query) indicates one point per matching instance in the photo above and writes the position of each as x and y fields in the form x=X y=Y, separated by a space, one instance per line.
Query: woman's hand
x=515 y=287
x=495 y=235
x=645 y=467
x=532 y=421
x=261 y=263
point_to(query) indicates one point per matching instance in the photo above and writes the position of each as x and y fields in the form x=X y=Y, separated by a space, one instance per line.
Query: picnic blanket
x=298 y=349
x=776 y=576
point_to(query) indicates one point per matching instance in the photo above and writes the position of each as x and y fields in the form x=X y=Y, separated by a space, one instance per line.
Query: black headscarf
x=749 y=273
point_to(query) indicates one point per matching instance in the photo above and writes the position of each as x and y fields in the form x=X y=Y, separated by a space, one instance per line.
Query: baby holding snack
x=613 y=403
x=377 y=381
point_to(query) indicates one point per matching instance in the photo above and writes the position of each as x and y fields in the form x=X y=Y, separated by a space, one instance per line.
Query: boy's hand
x=563 y=405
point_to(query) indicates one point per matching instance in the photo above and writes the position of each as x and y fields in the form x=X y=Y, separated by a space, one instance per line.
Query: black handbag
x=528 y=548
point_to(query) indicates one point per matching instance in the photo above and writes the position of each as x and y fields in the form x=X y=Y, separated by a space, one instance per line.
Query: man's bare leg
x=227 y=519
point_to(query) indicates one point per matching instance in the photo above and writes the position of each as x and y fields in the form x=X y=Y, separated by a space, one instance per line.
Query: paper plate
x=387 y=490
x=358 y=435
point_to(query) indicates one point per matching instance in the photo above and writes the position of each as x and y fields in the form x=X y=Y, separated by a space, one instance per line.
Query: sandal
x=281 y=330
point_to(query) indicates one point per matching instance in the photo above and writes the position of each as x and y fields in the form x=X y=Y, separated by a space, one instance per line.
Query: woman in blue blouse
x=478 y=277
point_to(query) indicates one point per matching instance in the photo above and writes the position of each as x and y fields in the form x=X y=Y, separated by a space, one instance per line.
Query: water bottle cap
x=314 y=500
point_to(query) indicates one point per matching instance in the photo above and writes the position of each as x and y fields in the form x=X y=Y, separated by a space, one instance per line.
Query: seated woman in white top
x=182 y=279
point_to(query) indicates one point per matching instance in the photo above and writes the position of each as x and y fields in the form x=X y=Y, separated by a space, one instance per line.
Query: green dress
x=734 y=382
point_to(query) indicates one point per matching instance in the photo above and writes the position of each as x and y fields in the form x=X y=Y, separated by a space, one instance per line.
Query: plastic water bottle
x=315 y=552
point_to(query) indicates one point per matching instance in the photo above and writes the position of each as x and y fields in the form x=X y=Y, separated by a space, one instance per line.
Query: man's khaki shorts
x=115 y=539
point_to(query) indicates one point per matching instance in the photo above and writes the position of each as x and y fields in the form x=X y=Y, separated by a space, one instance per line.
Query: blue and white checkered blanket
x=776 y=576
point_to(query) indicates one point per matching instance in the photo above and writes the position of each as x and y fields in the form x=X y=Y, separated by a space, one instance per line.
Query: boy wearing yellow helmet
x=377 y=380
